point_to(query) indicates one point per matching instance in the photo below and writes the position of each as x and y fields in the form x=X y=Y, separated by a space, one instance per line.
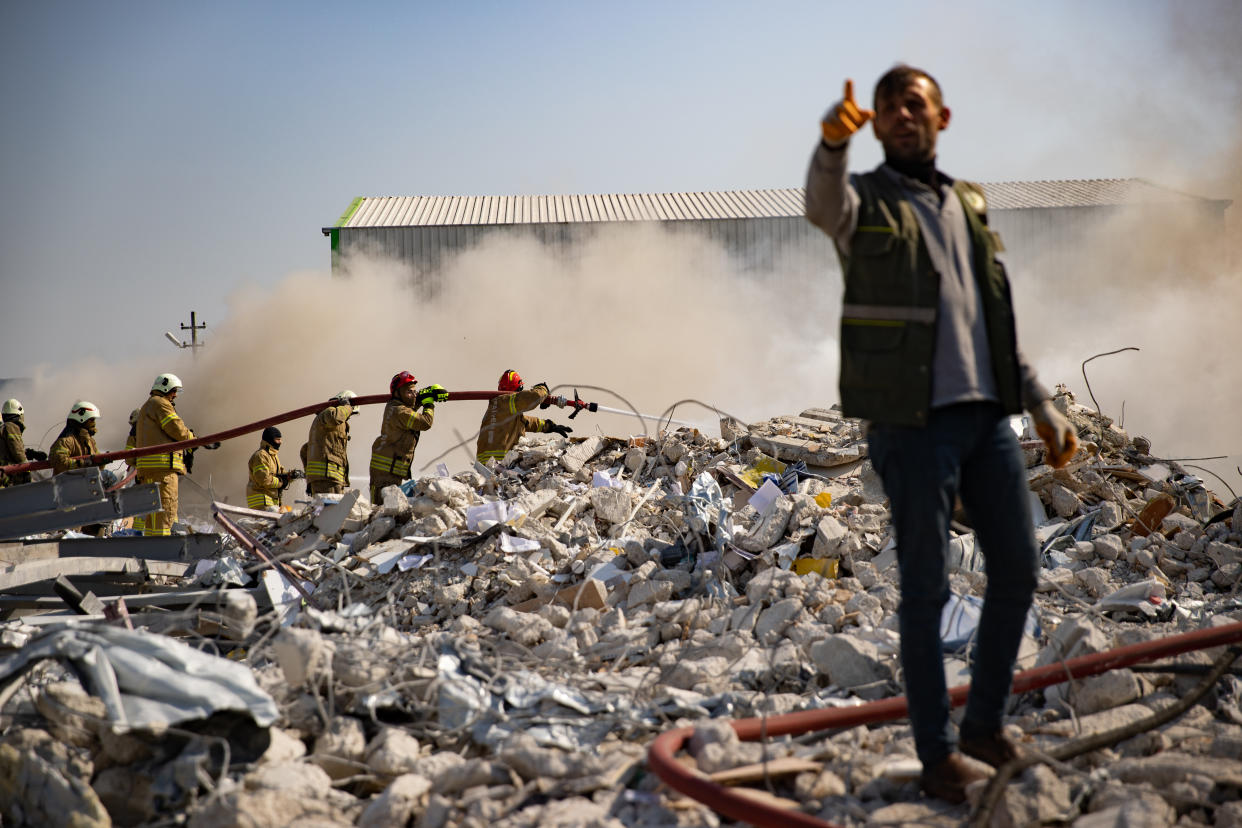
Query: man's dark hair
x=898 y=78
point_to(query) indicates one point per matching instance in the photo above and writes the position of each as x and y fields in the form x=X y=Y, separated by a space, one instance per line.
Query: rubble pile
x=499 y=647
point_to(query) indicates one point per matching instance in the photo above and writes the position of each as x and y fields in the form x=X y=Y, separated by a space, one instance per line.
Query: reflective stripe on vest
x=326 y=468
x=390 y=465
x=163 y=462
x=887 y=314
x=258 y=500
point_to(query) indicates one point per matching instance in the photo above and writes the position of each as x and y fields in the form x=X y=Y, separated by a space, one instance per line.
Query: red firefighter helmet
x=510 y=382
x=401 y=380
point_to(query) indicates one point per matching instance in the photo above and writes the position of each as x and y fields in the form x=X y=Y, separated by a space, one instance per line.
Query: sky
x=158 y=158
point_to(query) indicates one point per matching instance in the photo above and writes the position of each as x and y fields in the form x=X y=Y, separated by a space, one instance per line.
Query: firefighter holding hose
x=267 y=477
x=76 y=439
x=326 y=452
x=504 y=423
x=392 y=453
x=12 y=449
x=158 y=423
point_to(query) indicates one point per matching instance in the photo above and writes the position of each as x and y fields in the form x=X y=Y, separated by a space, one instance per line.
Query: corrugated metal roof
x=1089 y=192
x=424 y=211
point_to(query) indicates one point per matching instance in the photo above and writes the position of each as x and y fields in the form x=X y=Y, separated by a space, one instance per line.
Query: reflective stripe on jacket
x=503 y=423
x=327 y=449
x=158 y=423
x=74 y=441
x=393 y=450
x=263 y=486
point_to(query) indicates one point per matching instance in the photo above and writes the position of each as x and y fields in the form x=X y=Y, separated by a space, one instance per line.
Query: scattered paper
x=413 y=561
x=765 y=496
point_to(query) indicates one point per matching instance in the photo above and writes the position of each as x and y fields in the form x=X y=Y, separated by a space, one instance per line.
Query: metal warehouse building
x=1037 y=219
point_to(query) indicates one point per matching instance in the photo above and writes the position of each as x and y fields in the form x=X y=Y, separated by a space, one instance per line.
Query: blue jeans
x=965 y=450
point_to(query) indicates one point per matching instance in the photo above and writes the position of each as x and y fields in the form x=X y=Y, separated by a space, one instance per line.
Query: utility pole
x=193 y=328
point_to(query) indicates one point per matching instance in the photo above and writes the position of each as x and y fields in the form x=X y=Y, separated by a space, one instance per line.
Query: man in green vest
x=929 y=357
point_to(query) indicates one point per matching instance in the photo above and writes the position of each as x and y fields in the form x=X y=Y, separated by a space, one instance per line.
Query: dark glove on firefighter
x=431 y=395
x=844 y=119
x=288 y=477
x=1056 y=432
x=188 y=459
x=36 y=455
x=542 y=385
x=212 y=446
x=556 y=428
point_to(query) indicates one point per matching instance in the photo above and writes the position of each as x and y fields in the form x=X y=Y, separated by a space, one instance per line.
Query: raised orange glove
x=1056 y=432
x=845 y=118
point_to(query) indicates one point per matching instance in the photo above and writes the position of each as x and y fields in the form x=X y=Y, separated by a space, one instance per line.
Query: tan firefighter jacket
x=393 y=450
x=327 y=450
x=263 y=487
x=12 y=450
x=504 y=423
x=74 y=441
x=158 y=422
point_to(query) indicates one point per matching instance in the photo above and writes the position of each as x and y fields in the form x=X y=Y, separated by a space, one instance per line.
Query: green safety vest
x=892 y=294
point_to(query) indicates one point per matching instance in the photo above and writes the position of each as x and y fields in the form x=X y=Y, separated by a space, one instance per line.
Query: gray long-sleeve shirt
x=962 y=365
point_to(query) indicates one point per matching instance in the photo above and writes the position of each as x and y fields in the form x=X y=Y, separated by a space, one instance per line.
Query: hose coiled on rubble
x=737 y=805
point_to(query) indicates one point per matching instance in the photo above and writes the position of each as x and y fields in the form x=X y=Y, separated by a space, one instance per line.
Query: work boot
x=993 y=747
x=948 y=778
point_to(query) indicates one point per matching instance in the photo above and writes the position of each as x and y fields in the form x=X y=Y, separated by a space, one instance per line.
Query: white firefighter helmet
x=13 y=407
x=133 y=416
x=342 y=397
x=83 y=411
x=166 y=382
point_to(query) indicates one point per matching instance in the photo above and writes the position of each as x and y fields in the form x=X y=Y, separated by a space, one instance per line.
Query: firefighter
x=268 y=478
x=74 y=447
x=12 y=448
x=393 y=450
x=158 y=423
x=504 y=423
x=327 y=449
x=76 y=440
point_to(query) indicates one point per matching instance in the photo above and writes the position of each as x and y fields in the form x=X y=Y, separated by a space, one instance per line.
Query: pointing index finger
x=849 y=90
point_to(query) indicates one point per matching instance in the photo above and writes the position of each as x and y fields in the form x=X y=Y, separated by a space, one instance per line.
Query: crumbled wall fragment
x=340 y=749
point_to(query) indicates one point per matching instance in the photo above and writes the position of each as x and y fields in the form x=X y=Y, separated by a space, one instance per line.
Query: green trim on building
x=349 y=212
x=334 y=234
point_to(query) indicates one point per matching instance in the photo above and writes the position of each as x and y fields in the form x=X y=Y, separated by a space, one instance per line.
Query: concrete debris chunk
x=576 y=456
x=611 y=505
x=340 y=749
x=849 y=661
x=300 y=779
x=34 y=792
x=768 y=530
x=395 y=504
x=400 y=802
x=301 y=654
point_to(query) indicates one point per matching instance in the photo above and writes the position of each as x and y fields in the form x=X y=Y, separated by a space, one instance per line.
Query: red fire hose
x=108 y=457
x=727 y=801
